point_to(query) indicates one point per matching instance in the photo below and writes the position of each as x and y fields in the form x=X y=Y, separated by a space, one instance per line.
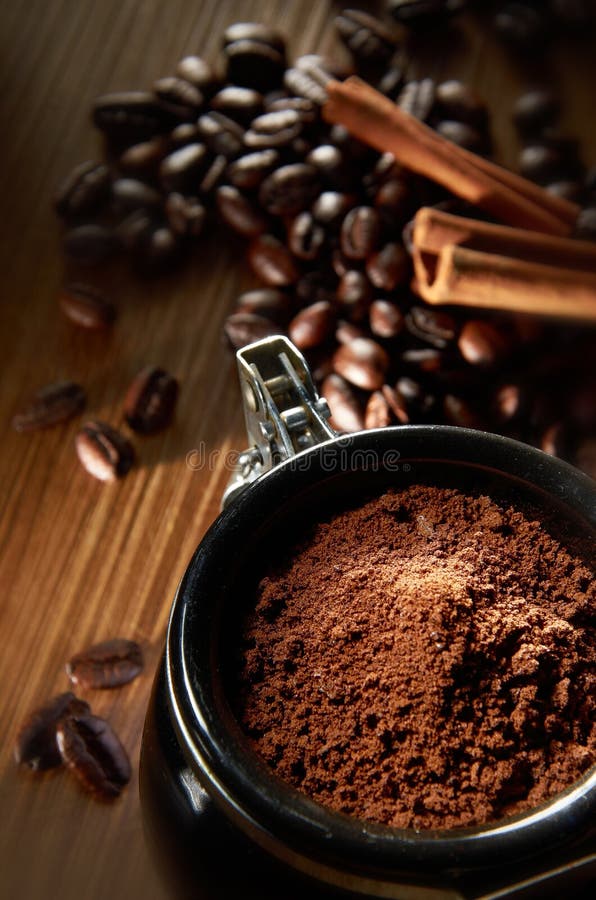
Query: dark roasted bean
x=221 y=134
x=585 y=227
x=289 y=189
x=150 y=400
x=430 y=325
x=89 y=244
x=508 y=402
x=129 y=117
x=198 y=72
x=345 y=332
x=425 y=359
x=186 y=133
x=109 y=664
x=144 y=159
x=182 y=169
x=418 y=402
x=541 y=163
x=186 y=215
x=354 y=293
x=271 y=261
x=213 y=176
x=370 y=40
x=346 y=411
x=389 y=267
x=360 y=232
x=481 y=343
x=378 y=411
x=304 y=84
x=254 y=31
x=268 y=302
x=129 y=194
x=463 y=135
x=104 y=452
x=239 y=212
x=312 y=325
x=330 y=163
x=243 y=328
x=238 y=103
x=93 y=753
x=397 y=403
x=306 y=237
x=341 y=264
x=135 y=229
x=394 y=203
x=158 y=250
x=306 y=109
x=458 y=101
x=394 y=78
x=418 y=98
x=362 y=362
x=84 y=191
x=458 y=411
x=571 y=190
x=178 y=95
x=87 y=307
x=422 y=13
x=386 y=319
x=330 y=208
x=314 y=286
x=274 y=130
x=36 y=744
x=555 y=440
x=254 y=64
x=534 y=110
x=247 y=172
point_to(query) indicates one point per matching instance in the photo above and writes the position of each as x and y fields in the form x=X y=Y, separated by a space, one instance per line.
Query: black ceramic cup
x=221 y=823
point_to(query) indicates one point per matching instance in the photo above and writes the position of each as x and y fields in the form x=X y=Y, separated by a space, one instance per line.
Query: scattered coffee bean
x=109 y=664
x=396 y=403
x=254 y=64
x=389 y=267
x=89 y=244
x=186 y=215
x=354 y=294
x=346 y=411
x=244 y=328
x=129 y=117
x=346 y=331
x=459 y=102
x=182 y=169
x=103 y=452
x=534 y=110
x=158 y=251
x=386 y=319
x=151 y=400
x=418 y=98
x=312 y=325
x=433 y=326
x=144 y=159
x=238 y=212
x=51 y=405
x=508 y=402
x=458 y=411
x=463 y=135
x=423 y=13
x=268 y=302
x=541 y=163
x=306 y=237
x=198 y=72
x=555 y=440
x=370 y=40
x=360 y=232
x=238 y=103
x=363 y=363
x=84 y=191
x=221 y=134
x=274 y=130
x=289 y=189
x=254 y=31
x=330 y=208
x=179 y=96
x=36 y=745
x=87 y=307
x=378 y=411
x=481 y=343
x=271 y=261
x=249 y=171
x=303 y=83
x=91 y=750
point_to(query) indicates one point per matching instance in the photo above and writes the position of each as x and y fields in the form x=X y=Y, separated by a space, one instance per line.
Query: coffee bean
x=89 y=244
x=385 y=169
x=134 y=230
x=248 y=172
x=585 y=226
x=238 y=212
x=84 y=191
x=354 y=294
x=305 y=108
x=481 y=343
x=424 y=359
x=314 y=286
x=360 y=232
x=522 y=26
x=394 y=78
x=312 y=325
x=213 y=176
x=418 y=98
x=459 y=102
x=541 y=163
x=458 y=411
x=183 y=134
x=221 y=134
x=331 y=165
x=94 y=754
x=393 y=200
x=571 y=190
x=238 y=103
x=508 y=402
x=87 y=307
x=254 y=31
x=363 y=363
x=423 y=13
x=345 y=332
x=244 y=328
x=51 y=405
x=267 y=302
x=303 y=83
x=534 y=110
x=386 y=319
x=306 y=237
x=430 y=325
x=274 y=130
x=254 y=64
x=555 y=440
x=144 y=159
x=346 y=411
x=198 y=72
x=186 y=215
x=271 y=261
x=178 y=95
x=103 y=452
x=130 y=194
x=378 y=411
x=370 y=40
x=129 y=117
x=36 y=744
x=417 y=400
x=158 y=251
x=331 y=207
x=463 y=135
x=109 y=664
x=182 y=169
x=397 y=403
x=389 y=267
x=150 y=400
x=289 y=189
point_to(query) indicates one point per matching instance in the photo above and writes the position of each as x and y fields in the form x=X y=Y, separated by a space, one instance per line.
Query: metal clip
x=283 y=412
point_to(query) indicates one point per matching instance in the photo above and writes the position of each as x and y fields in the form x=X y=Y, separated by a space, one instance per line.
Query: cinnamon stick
x=374 y=119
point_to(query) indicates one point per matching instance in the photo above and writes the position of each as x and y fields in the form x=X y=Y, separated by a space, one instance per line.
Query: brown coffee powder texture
x=426 y=660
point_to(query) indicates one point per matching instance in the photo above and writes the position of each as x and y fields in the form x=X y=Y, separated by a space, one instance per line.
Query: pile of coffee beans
x=327 y=219
x=64 y=731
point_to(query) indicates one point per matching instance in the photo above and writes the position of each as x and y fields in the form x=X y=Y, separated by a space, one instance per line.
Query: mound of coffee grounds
x=426 y=660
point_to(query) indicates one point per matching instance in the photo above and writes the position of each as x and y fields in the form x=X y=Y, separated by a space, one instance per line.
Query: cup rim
x=259 y=801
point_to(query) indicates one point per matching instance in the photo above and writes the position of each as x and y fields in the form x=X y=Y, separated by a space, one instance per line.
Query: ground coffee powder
x=425 y=660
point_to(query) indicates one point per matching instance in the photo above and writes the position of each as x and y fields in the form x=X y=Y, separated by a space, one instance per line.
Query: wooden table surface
x=82 y=561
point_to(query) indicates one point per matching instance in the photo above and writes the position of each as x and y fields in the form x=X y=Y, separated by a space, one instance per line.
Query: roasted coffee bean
x=183 y=99
x=36 y=745
x=304 y=84
x=238 y=212
x=555 y=440
x=432 y=326
x=346 y=410
x=330 y=163
x=144 y=159
x=94 y=754
x=129 y=117
x=389 y=267
x=182 y=169
x=384 y=170
x=89 y=244
x=370 y=40
x=50 y=405
x=394 y=78
x=221 y=134
x=186 y=133
x=289 y=189
x=360 y=232
x=186 y=215
x=419 y=402
x=306 y=109
x=248 y=172
x=271 y=261
x=458 y=411
x=254 y=64
x=312 y=325
x=104 y=452
x=306 y=237
x=508 y=402
x=386 y=319
x=268 y=302
x=423 y=13
x=198 y=72
x=158 y=251
x=424 y=359
x=109 y=664
x=463 y=135
x=354 y=294
x=84 y=191
x=150 y=400
x=135 y=229
x=571 y=190
x=585 y=226
x=522 y=26
x=396 y=403
x=459 y=102
x=363 y=363
x=238 y=103
x=481 y=343
x=345 y=332
x=274 y=130
x=418 y=98
x=534 y=110
x=86 y=306
x=243 y=328
x=314 y=286
x=129 y=194
x=331 y=207
x=541 y=163
x=378 y=412
x=393 y=200
x=341 y=264
x=254 y=31
x=213 y=176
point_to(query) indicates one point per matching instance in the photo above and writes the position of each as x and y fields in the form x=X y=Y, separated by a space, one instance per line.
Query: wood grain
x=81 y=561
